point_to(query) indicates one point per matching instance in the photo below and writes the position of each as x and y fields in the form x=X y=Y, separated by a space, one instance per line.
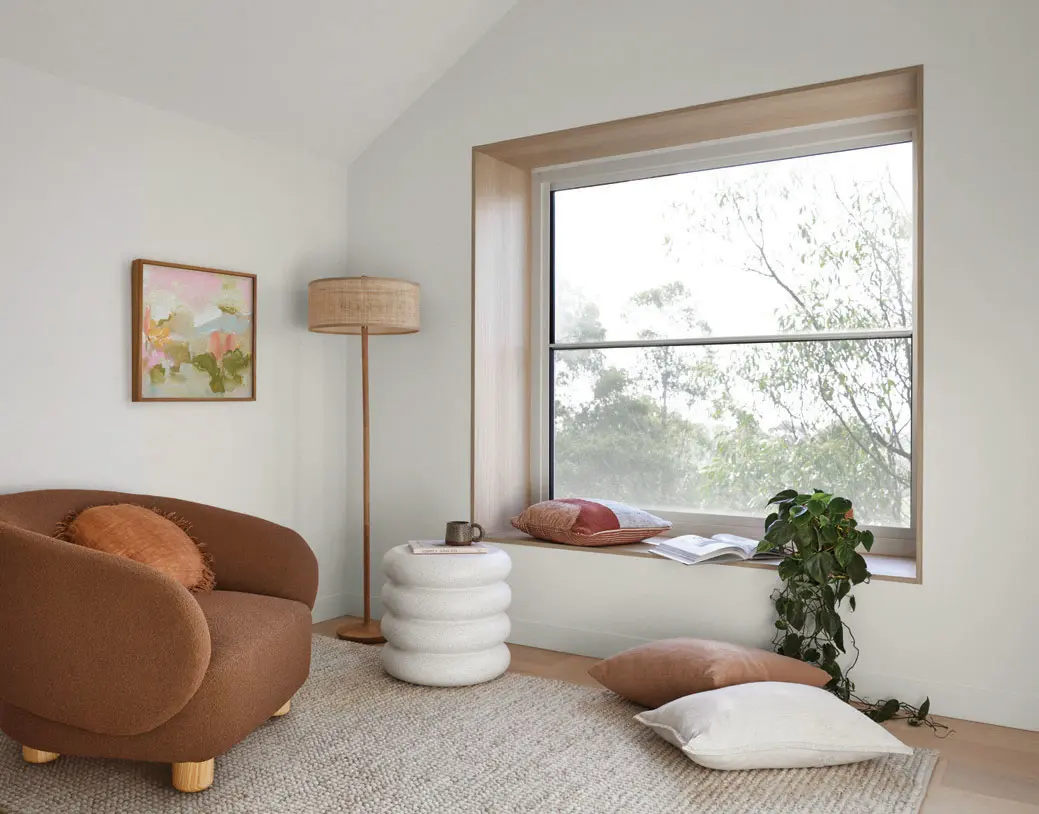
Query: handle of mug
x=477 y=532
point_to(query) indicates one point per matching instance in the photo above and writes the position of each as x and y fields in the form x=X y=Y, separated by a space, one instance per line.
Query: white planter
x=445 y=622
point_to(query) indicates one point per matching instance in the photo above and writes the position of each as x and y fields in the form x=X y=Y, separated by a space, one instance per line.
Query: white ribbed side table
x=445 y=622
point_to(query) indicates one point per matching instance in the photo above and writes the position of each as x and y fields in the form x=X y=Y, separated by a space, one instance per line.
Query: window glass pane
x=720 y=429
x=820 y=243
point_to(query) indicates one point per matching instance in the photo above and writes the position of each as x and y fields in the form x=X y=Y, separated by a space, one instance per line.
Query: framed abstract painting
x=194 y=333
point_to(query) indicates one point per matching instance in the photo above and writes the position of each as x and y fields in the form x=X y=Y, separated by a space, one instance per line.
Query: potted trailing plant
x=819 y=538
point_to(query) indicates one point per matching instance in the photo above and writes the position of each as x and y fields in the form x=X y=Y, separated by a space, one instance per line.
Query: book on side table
x=440 y=547
x=691 y=549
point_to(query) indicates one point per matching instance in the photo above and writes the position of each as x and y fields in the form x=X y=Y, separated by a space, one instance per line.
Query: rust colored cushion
x=657 y=673
x=589 y=522
x=145 y=536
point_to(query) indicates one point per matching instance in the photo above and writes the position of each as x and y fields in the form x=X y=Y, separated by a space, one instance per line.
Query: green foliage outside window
x=683 y=427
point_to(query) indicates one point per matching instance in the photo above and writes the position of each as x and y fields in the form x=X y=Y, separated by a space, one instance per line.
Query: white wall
x=88 y=182
x=967 y=636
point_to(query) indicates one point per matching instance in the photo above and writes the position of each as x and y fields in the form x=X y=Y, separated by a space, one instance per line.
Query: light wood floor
x=983 y=769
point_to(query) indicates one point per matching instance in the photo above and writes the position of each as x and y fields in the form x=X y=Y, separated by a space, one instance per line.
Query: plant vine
x=819 y=538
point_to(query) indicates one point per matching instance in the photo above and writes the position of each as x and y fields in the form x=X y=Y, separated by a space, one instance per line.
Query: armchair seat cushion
x=260 y=644
x=260 y=657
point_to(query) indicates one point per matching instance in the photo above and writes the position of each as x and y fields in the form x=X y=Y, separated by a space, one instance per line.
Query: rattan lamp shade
x=344 y=305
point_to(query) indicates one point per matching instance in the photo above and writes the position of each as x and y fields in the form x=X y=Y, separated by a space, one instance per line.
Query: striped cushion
x=589 y=522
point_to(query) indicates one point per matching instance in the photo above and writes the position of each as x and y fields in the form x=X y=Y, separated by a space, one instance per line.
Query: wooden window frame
x=505 y=260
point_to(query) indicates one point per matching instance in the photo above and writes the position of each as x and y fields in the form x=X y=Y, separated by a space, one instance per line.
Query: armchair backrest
x=41 y=511
x=249 y=554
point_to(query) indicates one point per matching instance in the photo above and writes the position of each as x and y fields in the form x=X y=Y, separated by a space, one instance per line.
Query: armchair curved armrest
x=250 y=554
x=93 y=640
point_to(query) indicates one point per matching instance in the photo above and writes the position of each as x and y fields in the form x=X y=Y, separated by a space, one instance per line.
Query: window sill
x=882 y=567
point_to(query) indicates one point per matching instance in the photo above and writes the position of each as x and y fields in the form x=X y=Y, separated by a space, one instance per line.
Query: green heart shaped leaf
x=839 y=505
x=857 y=570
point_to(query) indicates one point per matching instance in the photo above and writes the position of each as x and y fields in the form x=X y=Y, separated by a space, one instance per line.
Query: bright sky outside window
x=817 y=249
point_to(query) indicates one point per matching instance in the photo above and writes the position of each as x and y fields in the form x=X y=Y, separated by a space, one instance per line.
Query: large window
x=714 y=336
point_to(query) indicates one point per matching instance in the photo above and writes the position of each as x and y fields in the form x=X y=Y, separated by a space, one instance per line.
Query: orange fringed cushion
x=145 y=536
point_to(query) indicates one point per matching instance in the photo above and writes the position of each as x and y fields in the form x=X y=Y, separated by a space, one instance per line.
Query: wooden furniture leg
x=284 y=710
x=31 y=755
x=193 y=776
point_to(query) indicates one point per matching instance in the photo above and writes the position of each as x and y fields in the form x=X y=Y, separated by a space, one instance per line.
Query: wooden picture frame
x=171 y=356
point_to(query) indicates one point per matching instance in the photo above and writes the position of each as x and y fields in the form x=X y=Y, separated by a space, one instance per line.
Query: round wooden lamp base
x=363 y=632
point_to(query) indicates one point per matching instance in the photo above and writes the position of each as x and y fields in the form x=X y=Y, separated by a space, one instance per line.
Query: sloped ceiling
x=326 y=76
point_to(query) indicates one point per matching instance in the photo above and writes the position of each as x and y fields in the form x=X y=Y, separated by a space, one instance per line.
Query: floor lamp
x=365 y=306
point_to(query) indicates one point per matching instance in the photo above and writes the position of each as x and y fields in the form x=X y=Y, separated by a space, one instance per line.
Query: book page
x=745 y=544
x=699 y=546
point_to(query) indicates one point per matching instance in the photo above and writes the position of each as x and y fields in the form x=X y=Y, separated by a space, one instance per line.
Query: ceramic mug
x=462 y=532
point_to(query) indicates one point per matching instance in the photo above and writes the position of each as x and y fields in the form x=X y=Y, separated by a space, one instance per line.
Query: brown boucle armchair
x=101 y=656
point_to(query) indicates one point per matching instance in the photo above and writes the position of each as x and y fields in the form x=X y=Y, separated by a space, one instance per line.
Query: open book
x=692 y=549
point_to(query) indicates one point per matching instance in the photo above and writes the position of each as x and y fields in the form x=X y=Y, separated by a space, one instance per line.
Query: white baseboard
x=1015 y=710
x=331 y=606
x=344 y=604
x=952 y=700
x=595 y=643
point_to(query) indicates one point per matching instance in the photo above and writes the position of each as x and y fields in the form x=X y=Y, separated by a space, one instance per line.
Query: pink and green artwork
x=194 y=333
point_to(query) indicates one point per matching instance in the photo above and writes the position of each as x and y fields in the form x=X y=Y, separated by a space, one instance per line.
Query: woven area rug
x=359 y=741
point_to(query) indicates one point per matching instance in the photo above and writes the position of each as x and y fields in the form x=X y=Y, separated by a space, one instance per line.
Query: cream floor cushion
x=770 y=725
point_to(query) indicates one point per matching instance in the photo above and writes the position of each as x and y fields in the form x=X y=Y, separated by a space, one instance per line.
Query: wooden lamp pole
x=368 y=631
x=366 y=454
x=352 y=305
